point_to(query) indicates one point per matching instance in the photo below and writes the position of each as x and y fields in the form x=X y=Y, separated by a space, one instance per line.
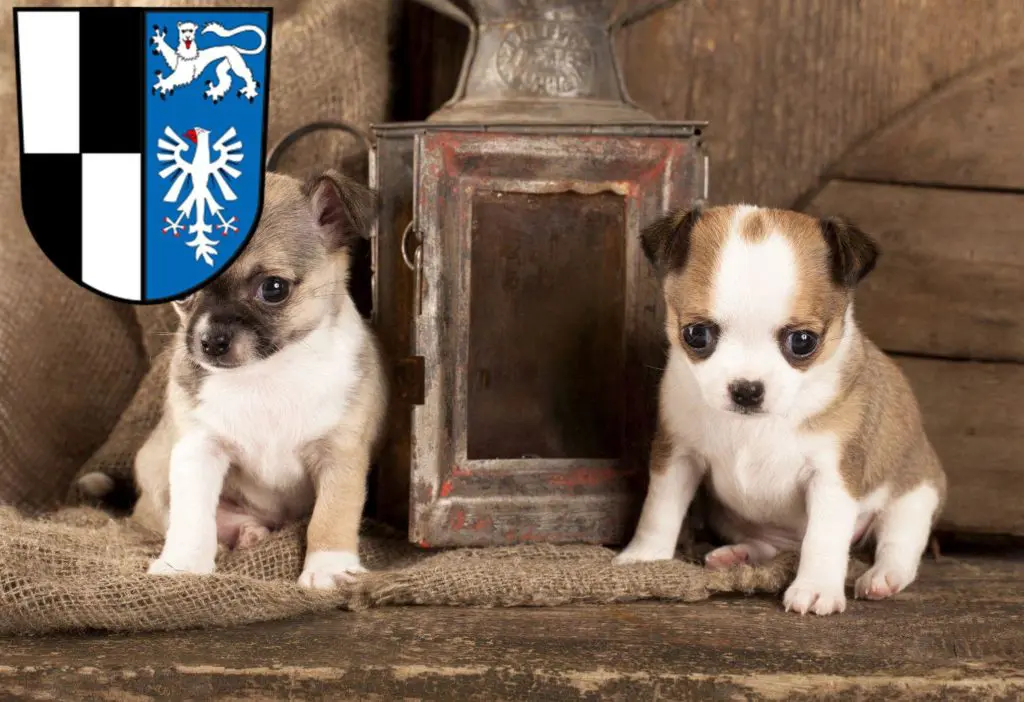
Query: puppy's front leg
x=675 y=477
x=332 y=540
x=819 y=585
x=198 y=466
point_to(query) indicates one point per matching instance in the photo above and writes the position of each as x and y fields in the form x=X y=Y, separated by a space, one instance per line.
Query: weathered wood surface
x=970 y=134
x=957 y=634
x=789 y=86
x=972 y=413
x=950 y=281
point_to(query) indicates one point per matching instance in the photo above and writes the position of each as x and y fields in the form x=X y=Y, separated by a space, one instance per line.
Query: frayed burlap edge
x=81 y=569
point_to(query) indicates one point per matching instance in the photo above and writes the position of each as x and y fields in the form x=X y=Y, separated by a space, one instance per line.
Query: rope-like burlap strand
x=81 y=569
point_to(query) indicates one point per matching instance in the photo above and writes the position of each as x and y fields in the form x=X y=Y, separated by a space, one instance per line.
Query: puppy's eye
x=800 y=343
x=273 y=290
x=701 y=337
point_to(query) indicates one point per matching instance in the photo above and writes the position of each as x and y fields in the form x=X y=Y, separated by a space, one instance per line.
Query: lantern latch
x=415 y=264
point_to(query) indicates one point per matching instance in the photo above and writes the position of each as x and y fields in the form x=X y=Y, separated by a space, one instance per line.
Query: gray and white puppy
x=276 y=395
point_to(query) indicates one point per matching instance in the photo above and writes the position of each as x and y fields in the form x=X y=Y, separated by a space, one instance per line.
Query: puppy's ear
x=342 y=208
x=666 y=242
x=852 y=253
x=184 y=306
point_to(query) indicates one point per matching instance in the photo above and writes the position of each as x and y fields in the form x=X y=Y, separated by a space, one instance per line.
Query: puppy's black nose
x=747 y=393
x=215 y=341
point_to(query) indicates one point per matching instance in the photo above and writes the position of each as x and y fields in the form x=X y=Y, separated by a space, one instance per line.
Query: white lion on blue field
x=187 y=62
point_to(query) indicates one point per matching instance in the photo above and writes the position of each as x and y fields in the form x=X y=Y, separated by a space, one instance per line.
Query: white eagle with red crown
x=200 y=202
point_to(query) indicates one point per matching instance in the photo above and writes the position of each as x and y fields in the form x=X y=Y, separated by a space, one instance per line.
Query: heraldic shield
x=143 y=139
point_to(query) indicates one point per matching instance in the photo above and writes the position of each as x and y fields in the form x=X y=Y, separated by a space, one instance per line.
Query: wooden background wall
x=802 y=96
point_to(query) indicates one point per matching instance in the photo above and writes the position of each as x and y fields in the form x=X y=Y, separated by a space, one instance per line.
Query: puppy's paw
x=806 y=595
x=251 y=534
x=329 y=569
x=643 y=553
x=95 y=485
x=181 y=566
x=752 y=553
x=883 y=580
x=728 y=556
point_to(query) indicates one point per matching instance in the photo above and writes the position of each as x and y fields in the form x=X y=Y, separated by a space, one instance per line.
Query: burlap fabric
x=70 y=362
x=82 y=570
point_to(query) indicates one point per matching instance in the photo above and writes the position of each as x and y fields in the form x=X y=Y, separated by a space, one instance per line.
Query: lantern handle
x=415 y=264
x=449 y=10
x=296 y=134
x=454 y=12
x=403 y=248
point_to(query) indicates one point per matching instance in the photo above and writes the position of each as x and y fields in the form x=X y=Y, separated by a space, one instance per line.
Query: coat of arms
x=142 y=142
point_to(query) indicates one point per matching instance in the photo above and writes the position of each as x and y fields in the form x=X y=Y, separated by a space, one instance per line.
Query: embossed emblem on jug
x=532 y=61
x=546 y=58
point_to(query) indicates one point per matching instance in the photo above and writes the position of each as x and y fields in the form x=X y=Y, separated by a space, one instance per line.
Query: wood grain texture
x=956 y=634
x=950 y=280
x=970 y=134
x=972 y=414
x=790 y=85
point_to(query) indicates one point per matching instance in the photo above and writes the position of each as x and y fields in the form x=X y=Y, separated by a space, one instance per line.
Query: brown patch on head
x=285 y=243
x=832 y=256
x=818 y=305
x=877 y=422
x=756 y=225
x=292 y=274
x=689 y=287
x=684 y=247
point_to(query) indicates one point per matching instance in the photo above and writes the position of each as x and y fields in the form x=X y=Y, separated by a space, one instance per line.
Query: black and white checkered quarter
x=82 y=126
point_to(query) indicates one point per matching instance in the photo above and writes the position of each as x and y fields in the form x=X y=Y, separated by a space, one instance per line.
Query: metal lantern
x=521 y=320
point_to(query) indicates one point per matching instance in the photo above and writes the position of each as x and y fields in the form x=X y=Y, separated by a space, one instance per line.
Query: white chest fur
x=267 y=412
x=757 y=467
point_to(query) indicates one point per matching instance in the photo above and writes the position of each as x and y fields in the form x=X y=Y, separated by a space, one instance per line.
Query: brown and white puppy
x=276 y=395
x=808 y=437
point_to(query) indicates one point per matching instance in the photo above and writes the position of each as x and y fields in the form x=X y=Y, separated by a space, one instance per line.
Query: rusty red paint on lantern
x=510 y=290
x=584 y=476
x=523 y=239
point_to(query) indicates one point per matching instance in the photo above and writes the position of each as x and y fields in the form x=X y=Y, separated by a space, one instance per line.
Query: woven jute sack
x=69 y=360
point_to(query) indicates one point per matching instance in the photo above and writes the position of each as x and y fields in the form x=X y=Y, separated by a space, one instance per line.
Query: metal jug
x=541 y=61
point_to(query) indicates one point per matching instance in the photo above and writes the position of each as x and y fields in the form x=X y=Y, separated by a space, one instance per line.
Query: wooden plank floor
x=958 y=634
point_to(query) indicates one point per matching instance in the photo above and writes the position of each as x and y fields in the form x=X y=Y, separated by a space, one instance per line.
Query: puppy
x=276 y=394
x=808 y=437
